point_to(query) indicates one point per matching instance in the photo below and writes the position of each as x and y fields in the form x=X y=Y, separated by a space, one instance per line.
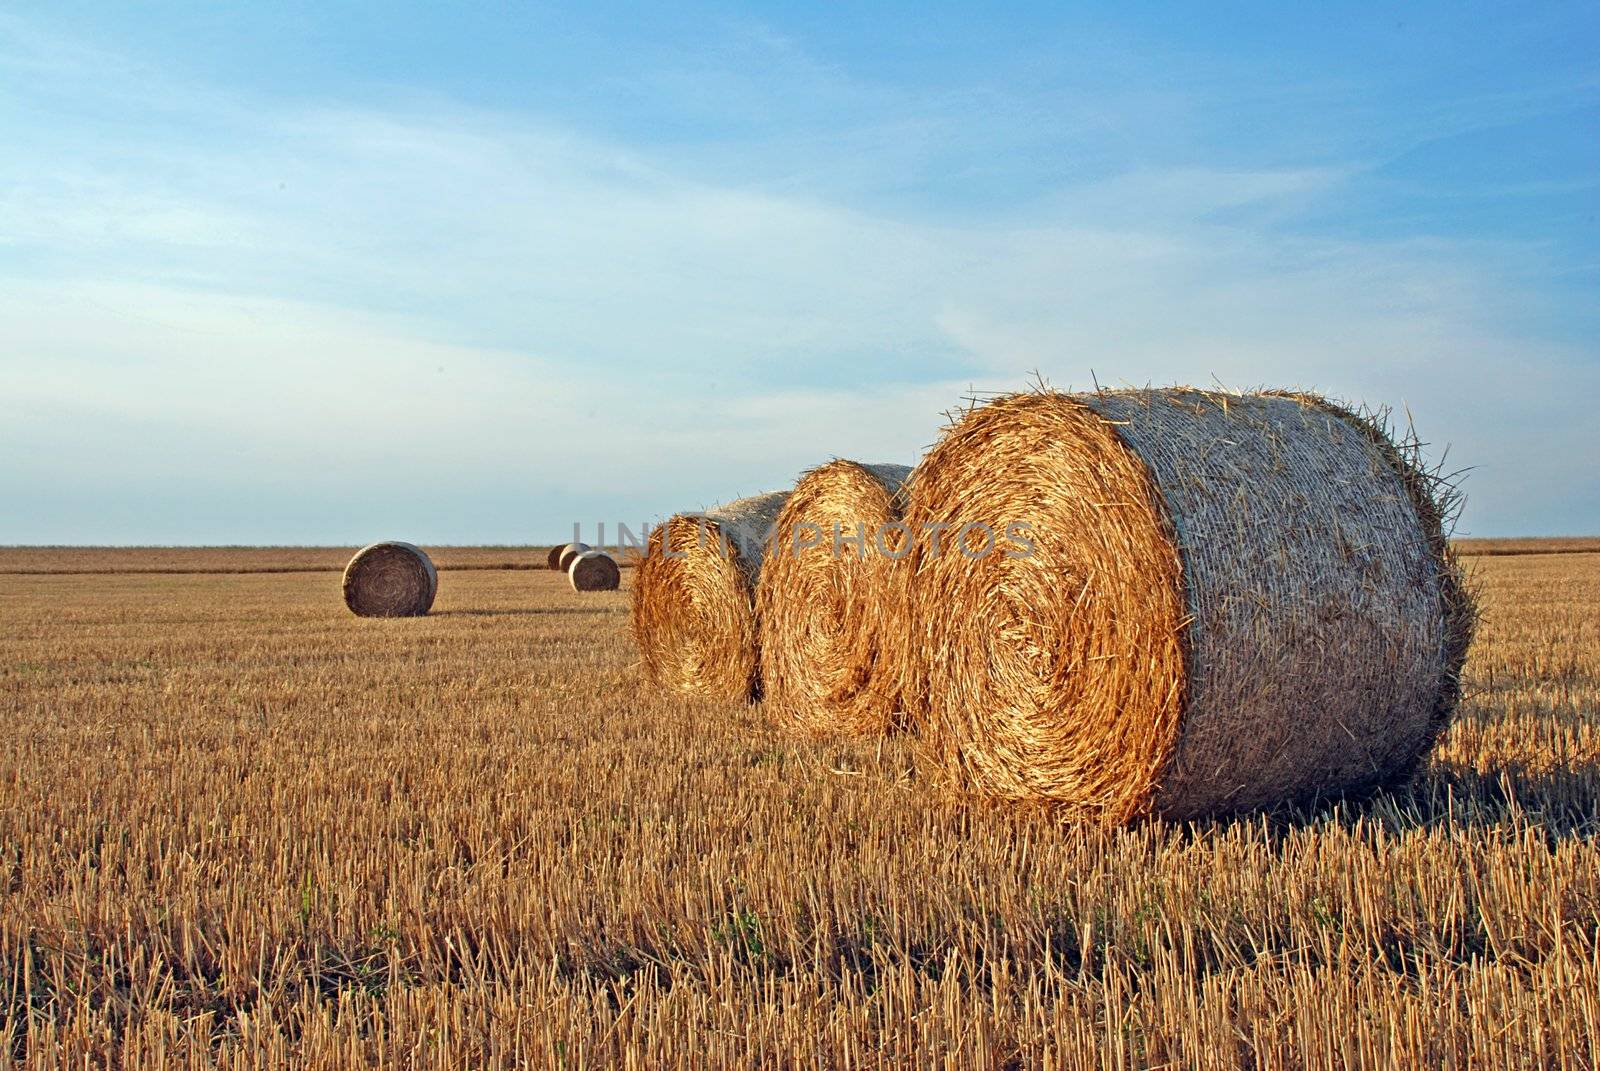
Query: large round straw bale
x=569 y=552
x=390 y=579
x=694 y=615
x=594 y=570
x=824 y=599
x=552 y=558
x=1221 y=602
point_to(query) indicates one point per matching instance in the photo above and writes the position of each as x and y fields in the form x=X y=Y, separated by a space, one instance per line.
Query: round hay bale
x=694 y=615
x=824 y=598
x=1226 y=602
x=390 y=579
x=569 y=552
x=594 y=570
x=552 y=558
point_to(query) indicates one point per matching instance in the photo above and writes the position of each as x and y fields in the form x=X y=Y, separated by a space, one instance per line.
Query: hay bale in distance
x=694 y=616
x=1231 y=601
x=390 y=579
x=552 y=558
x=569 y=552
x=594 y=570
x=822 y=605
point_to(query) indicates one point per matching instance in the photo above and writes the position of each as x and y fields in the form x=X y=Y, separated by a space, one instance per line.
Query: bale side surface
x=1235 y=601
x=821 y=608
x=1318 y=644
x=569 y=552
x=594 y=570
x=694 y=617
x=390 y=579
x=1437 y=502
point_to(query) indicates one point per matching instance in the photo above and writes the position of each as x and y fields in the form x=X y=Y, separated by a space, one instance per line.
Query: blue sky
x=333 y=272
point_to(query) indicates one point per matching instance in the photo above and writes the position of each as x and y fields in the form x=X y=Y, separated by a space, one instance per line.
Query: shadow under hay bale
x=694 y=616
x=390 y=579
x=823 y=600
x=569 y=552
x=1229 y=601
x=594 y=570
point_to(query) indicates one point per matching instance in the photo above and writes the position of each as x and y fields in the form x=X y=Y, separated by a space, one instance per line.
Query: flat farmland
x=175 y=560
x=240 y=827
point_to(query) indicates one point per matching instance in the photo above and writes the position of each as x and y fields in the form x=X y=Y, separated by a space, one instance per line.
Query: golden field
x=241 y=828
x=71 y=560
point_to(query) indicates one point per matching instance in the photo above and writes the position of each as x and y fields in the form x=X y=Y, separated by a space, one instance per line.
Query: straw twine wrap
x=1231 y=601
x=594 y=570
x=694 y=615
x=569 y=552
x=390 y=580
x=823 y=599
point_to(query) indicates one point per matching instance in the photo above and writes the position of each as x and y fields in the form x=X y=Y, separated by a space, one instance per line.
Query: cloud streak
x=226 y=321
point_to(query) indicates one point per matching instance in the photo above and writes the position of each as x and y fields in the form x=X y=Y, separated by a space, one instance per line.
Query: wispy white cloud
x=467 y=325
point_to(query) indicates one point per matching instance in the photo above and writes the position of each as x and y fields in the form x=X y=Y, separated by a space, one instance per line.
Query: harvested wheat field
x=243 y=828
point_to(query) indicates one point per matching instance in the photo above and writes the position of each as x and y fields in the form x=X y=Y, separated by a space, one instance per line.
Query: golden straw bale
x=594 y=570
x=824 y=599
x=1227 y=601
x=390 y=579
x=569 y=552
x=694 y=616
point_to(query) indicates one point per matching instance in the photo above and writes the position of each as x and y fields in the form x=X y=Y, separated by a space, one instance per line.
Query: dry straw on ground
x=694 y=616
x=390 y=580
x=594 y=570
x=569 y=552
x=237 y=838
x=1231 y=600
x=823 y=599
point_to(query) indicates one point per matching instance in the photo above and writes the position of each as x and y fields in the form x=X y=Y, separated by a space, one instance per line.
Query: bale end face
x=826 y=604
x=390 y=579
x=594 y=570
x=694 y=617
x=1055 y=674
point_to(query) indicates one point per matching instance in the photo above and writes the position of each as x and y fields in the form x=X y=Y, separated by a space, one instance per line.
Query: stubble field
x=241 y=828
